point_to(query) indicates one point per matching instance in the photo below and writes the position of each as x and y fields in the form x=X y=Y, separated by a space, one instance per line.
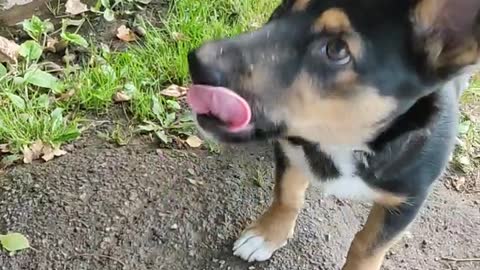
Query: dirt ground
x=138 y=207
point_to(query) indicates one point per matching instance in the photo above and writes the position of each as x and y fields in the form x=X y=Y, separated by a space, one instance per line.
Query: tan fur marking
x=468 y=54
x=388 y=199
x=300 y=5
x=350 y=119
x=366 y=253
x=426 y=13
x=346 y=77
x=333 y=20
x=278 y=222
x=354 y=45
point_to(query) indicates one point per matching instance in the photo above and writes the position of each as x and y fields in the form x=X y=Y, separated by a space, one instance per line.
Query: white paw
x=251 y=247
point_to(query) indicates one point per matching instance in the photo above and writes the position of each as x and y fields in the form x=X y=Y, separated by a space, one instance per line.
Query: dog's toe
x=253 y=247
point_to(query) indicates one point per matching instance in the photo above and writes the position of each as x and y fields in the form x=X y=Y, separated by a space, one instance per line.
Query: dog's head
x=331 y=71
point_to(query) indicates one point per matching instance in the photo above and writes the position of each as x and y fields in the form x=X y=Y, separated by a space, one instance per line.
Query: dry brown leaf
x=4 y=148
x=33 y=152
x=194 y=141
x=124 y=33
x=75 y=7
x=179 y=36
x=67 y=95
x=121 y=97
x=174 y=91
x=49 y=153
x=51 y=45
x=8 y=50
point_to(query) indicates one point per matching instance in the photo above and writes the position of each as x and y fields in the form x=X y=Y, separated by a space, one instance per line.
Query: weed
x=39 y=105
x=259 y=177
x=467 y=155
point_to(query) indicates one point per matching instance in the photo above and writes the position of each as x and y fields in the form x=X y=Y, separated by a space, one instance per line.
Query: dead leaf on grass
x=194 y=141
x=66 y=96
x=177 y=36
x=4 y=148
x=124 y=33
x=33 y=152
x=75 y=7
x=49 y=153
x=51 y=45
x=121 y=97
x=8 y=50
x=174 y=91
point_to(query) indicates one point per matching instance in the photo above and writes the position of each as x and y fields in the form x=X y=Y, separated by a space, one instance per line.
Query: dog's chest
x=338 y=178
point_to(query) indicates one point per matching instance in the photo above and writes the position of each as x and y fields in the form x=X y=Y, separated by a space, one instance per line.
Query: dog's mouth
x=220 y=105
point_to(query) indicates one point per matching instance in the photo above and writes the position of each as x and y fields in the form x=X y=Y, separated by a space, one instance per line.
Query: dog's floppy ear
x=447 y=32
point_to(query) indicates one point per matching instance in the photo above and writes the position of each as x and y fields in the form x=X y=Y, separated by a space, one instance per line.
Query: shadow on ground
x=140 y=208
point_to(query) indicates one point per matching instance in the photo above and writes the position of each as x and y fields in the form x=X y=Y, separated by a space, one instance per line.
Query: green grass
x=467 y=155
x=29 y=113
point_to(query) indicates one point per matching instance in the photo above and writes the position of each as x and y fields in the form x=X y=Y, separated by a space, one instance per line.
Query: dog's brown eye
x=337 y=51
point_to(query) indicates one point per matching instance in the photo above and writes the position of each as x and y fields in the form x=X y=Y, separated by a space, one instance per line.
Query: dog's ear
x=447 y=32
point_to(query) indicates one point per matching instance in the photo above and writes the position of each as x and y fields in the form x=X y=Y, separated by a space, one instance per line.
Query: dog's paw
x=253 y=246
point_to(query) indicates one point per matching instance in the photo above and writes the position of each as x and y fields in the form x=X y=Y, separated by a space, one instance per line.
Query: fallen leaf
x=8 y=50
x=33 y=152
x=49 y=153
x=121 y=96
x=174 y=91
x=4 y=148
x=194 y=141
x=67 y=95
x=14 y=242
x=195 y=182
x=124 y=33
x=75 y=7
x=51 y=45
x=179 y=36
x=459 y=183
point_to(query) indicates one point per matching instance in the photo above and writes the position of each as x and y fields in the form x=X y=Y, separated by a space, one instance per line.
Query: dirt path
x=134 y=208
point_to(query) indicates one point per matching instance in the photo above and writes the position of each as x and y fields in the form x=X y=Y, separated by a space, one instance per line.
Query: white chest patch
x=347 y=186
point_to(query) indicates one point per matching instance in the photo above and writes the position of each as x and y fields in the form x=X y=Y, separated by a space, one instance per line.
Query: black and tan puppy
x=353 y=92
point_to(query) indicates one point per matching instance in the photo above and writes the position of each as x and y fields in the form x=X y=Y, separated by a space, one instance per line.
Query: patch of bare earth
x=138 y=208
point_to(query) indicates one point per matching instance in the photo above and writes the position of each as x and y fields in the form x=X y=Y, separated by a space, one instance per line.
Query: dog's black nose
x=204 y=70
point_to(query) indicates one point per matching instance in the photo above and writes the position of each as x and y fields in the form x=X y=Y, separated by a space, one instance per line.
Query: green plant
x=14 y=242
x=36 y=28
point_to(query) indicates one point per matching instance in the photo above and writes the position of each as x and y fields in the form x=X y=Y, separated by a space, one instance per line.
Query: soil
x=140 y=207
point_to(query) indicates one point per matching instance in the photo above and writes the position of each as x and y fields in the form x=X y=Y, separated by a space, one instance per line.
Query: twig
x=460 y=259
x=97 y=256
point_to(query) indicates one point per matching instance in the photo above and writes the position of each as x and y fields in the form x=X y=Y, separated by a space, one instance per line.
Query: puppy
x=353 y=92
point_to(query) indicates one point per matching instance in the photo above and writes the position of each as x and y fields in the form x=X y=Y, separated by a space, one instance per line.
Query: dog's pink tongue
x=220 y=102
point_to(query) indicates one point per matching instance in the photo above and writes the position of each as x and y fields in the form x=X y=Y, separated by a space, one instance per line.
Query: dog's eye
x=337 y=51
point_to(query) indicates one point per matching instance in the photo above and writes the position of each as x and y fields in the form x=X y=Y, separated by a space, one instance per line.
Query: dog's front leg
x=272 y=230
x=384 y=226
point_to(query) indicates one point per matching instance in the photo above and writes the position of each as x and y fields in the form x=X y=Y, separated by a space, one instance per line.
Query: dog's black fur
x=408 y=51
